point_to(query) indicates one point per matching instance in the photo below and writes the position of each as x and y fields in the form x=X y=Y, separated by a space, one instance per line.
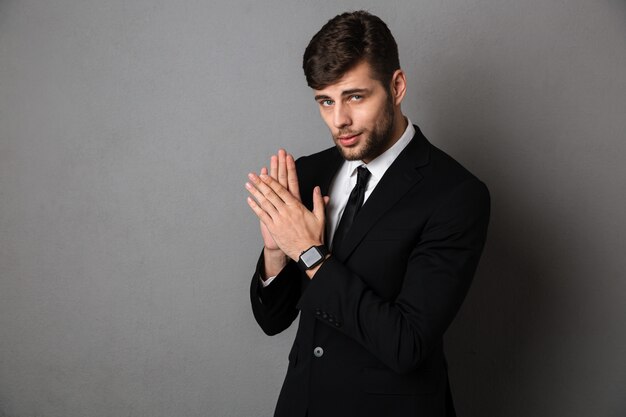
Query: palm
x=282 y=169
x=268 y=239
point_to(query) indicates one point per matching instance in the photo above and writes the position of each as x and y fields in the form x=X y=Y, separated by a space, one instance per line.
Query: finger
x=326 y=200
x=281 y=193
x=274 y=167
x=292 y=177
x=268 y=192
x=260 y=213
x=318 y=203
x=264 y=171
x=282 y=168
x=265 y=203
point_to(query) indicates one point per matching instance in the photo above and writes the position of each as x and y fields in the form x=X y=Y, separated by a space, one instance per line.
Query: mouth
x=348 y=140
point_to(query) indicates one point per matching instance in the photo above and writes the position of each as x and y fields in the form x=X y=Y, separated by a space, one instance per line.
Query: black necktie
x=355 y=201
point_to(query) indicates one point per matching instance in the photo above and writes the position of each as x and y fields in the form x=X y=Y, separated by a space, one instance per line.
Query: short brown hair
x=345 y=41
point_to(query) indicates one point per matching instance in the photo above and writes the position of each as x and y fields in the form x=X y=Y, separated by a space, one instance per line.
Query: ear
x=398 y=86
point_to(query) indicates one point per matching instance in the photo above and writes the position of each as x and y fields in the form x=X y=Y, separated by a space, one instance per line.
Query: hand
x=282 y=169
x=291 y=225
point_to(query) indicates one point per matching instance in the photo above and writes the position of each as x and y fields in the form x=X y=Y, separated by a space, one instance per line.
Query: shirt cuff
x=268 y=281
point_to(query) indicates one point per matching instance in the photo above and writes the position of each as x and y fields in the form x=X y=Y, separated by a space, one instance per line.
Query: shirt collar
x=379 y=165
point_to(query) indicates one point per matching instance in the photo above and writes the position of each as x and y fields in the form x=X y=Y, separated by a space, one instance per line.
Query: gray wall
x=126 y=246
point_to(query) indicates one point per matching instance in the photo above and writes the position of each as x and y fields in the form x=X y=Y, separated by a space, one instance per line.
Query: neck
x=399 y=126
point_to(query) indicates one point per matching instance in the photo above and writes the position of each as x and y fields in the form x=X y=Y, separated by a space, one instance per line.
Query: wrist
x=274 y=260
x=311 y=272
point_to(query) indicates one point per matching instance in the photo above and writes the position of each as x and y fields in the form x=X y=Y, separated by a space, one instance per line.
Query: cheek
x=366 y=118
x=326 y=117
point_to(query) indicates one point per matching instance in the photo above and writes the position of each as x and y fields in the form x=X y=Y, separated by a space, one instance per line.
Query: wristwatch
x=312 y=257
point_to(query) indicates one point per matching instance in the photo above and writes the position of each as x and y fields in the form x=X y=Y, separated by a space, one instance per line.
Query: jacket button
x=318 y=352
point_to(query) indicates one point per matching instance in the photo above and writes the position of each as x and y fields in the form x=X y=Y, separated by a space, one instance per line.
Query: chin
x=354 y=155
x=351 y=154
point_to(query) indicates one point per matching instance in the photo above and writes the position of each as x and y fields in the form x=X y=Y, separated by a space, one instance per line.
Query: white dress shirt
x=345 y=180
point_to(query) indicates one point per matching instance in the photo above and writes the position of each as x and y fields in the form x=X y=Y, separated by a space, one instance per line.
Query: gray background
x=126 y=246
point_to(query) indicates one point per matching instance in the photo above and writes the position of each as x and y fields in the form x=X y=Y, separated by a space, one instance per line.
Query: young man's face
x=359 y=113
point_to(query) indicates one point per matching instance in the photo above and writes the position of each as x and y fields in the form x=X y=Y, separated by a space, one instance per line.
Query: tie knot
x=362 y=176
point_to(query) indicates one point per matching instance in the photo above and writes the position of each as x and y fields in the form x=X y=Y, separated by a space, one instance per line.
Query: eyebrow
x=344 y=93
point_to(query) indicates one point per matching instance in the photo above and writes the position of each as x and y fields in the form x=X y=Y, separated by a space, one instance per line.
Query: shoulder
x=323 y=157
x=318 y=166
x=445 y=170
x=444 y=178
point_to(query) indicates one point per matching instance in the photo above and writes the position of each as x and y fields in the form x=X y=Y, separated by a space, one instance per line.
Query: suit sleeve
x=402 y=332
x=274 y=306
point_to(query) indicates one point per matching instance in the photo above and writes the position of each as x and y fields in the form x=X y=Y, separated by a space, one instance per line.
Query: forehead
x=358 y=77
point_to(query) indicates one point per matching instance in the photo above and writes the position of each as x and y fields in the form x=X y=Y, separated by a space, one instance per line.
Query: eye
x=356 y=97
x=326 y=103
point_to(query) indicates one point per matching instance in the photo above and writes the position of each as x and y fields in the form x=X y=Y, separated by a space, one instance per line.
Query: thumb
x=318 y=203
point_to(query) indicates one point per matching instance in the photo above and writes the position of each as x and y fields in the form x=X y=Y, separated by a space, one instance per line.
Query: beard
x=375 y=142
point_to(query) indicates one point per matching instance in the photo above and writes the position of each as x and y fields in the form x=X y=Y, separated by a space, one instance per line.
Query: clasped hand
x=293 y=227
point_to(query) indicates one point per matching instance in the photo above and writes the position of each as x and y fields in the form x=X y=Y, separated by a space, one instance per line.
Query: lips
x=348 y=140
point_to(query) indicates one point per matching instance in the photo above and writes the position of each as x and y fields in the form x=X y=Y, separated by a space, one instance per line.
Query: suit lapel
x=401 y=176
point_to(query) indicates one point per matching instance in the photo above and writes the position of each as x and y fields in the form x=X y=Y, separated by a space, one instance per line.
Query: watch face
x=311 y=256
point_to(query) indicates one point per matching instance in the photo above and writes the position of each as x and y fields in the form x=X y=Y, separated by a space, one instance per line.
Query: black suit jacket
x=377 y=309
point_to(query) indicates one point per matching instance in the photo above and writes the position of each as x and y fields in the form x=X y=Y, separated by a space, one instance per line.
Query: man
x=378 y=269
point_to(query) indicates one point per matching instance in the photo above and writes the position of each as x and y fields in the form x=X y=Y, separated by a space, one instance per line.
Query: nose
x=341 y=116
